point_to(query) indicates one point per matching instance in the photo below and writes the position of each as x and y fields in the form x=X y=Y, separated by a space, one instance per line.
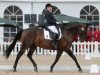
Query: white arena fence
x=78 y=48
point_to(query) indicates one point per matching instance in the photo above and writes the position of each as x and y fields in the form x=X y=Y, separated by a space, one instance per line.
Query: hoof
x=80 y=70
x=35 y=69
x=51 y=70
x=14 y=71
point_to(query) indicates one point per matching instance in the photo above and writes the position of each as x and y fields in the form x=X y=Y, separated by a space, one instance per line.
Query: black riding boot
x=55 y=41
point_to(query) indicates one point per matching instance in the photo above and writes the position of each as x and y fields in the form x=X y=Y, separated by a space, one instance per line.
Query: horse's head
x=82 y=32
x=77 y=29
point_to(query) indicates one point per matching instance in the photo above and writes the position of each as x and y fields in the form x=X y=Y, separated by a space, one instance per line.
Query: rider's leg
x=57 y=27
x=55 y=41
x=54 y=37
x=50 y=31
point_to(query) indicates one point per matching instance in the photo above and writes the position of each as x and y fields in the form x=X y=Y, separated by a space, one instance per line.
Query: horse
x=34 y=37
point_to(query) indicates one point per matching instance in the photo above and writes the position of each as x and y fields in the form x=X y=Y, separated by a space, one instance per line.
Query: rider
x=51 y=21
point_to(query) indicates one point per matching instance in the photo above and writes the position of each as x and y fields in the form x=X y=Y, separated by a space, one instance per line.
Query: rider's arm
x=49 y=20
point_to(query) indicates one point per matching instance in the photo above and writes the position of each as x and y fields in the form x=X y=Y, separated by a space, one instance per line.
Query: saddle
x=48 y=34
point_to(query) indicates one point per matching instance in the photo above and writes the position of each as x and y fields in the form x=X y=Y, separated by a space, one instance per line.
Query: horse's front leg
x=70 y=53
x=59 y=53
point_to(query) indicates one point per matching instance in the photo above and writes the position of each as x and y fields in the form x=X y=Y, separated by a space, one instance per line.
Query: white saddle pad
x=52 y=28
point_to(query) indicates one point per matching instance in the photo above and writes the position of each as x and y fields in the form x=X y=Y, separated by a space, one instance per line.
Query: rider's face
x=49 y=9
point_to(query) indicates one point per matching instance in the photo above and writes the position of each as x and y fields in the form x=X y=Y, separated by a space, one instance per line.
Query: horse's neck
x=73 y=31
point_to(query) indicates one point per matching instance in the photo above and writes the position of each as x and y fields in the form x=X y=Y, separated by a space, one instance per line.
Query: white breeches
x=53 y=28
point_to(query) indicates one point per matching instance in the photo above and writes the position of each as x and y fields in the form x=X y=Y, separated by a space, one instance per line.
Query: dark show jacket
x=50 y=18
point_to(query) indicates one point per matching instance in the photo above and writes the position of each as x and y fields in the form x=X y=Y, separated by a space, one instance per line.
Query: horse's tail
x=12 y=45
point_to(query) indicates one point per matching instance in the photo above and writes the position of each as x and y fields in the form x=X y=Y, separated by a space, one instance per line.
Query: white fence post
x=74 y=47
x=1 y=48
x=96 y=50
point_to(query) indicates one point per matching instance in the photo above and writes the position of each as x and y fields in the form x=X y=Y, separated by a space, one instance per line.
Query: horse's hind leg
x=59 y=53
x=29 y=55
x=70 y=53
x=21 y=52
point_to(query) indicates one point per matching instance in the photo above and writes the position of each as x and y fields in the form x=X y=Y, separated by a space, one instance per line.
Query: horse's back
x=30 y=35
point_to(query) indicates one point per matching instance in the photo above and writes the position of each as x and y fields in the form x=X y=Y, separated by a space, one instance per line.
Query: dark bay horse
x=34 y=37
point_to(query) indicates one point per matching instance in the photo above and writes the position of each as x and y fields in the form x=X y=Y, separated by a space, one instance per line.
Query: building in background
x=25 y=12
